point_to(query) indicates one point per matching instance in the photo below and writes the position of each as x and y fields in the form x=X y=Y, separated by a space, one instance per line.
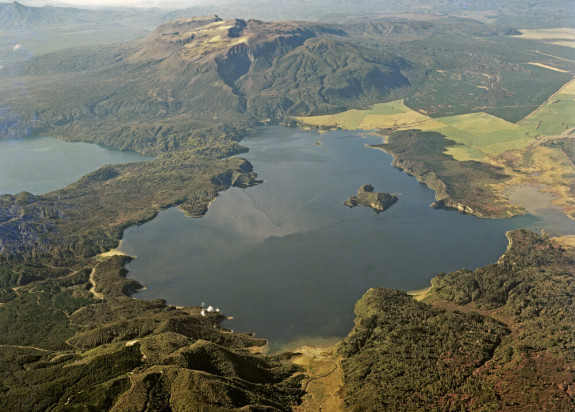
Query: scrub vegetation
x=65 y=347
x=72 y=338
x=474 y=343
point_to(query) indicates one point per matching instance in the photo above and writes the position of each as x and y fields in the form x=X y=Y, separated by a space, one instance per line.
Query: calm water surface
x=287 y=259
x=41 y=164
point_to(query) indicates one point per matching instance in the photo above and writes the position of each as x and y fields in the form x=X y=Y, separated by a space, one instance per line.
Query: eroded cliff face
x=452 y=204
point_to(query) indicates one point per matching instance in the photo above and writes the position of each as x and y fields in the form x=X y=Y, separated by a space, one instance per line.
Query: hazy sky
x=119 y=3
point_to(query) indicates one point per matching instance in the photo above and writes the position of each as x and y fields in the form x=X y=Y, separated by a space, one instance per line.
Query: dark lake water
x=287 y=260
x=41 y=164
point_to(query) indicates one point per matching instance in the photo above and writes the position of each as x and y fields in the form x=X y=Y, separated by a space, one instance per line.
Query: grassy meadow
x=555 y=117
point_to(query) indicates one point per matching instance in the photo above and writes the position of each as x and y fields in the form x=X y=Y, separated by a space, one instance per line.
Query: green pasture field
x=477 y=135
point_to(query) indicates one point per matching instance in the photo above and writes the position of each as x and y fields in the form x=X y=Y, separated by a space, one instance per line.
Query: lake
x=287 y=260
x=41 y=164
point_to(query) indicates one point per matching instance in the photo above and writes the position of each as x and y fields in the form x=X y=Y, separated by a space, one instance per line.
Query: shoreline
x=113 y=252
x=300 y=343
x=531 y=197
x=420 y=294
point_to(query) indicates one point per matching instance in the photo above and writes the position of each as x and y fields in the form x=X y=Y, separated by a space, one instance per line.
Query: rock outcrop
x=378 y=201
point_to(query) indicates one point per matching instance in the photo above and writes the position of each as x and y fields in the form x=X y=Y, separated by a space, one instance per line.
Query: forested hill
x=498 y=338
x=72 y=338
x=197 y=75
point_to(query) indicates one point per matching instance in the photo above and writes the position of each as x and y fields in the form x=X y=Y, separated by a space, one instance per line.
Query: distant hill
x=517 y=13
x=17 y=16
x=539 y=14
x=41 y=30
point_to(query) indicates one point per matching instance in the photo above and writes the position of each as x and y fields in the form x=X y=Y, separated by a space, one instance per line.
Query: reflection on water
x=532 y=198
x=546 y=215
x=287 y=260
x=41 y=164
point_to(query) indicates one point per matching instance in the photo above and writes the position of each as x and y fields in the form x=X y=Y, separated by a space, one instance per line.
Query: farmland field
x=556 y=116
x=477 y=135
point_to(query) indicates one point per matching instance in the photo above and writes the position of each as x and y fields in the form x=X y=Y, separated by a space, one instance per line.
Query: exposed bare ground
x=24 y=347
x=97 y=295
x=568 y=242
x=324 y=379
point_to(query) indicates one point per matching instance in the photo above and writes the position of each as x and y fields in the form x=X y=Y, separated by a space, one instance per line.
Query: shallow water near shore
x=41 y=164
x=287 y=260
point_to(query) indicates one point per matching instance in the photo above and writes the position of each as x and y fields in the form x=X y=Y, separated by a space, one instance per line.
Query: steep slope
x=192 y=74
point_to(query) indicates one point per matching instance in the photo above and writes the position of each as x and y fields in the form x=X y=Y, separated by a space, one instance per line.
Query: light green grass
x=383 y=114
x=554 y=118
x=477 y=135
x=482 y=135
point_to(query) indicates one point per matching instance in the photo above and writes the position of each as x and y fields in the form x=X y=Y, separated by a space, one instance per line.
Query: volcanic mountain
x=195 y=73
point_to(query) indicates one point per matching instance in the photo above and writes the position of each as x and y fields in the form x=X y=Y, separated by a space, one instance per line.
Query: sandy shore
x=305 y=342
x=420 y=294
x=113 y=252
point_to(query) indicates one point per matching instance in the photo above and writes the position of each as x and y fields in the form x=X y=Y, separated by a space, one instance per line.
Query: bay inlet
x=41 y=164
x=287 y=260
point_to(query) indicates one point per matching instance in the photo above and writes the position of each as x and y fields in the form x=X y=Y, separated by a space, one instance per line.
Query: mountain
x=221 y=71
x=193 y=75
x=17 y=16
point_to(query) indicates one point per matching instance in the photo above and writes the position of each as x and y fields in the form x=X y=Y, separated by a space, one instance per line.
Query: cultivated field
x=555 y=117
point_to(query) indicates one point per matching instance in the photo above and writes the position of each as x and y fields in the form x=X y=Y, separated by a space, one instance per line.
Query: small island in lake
x=378 y=201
